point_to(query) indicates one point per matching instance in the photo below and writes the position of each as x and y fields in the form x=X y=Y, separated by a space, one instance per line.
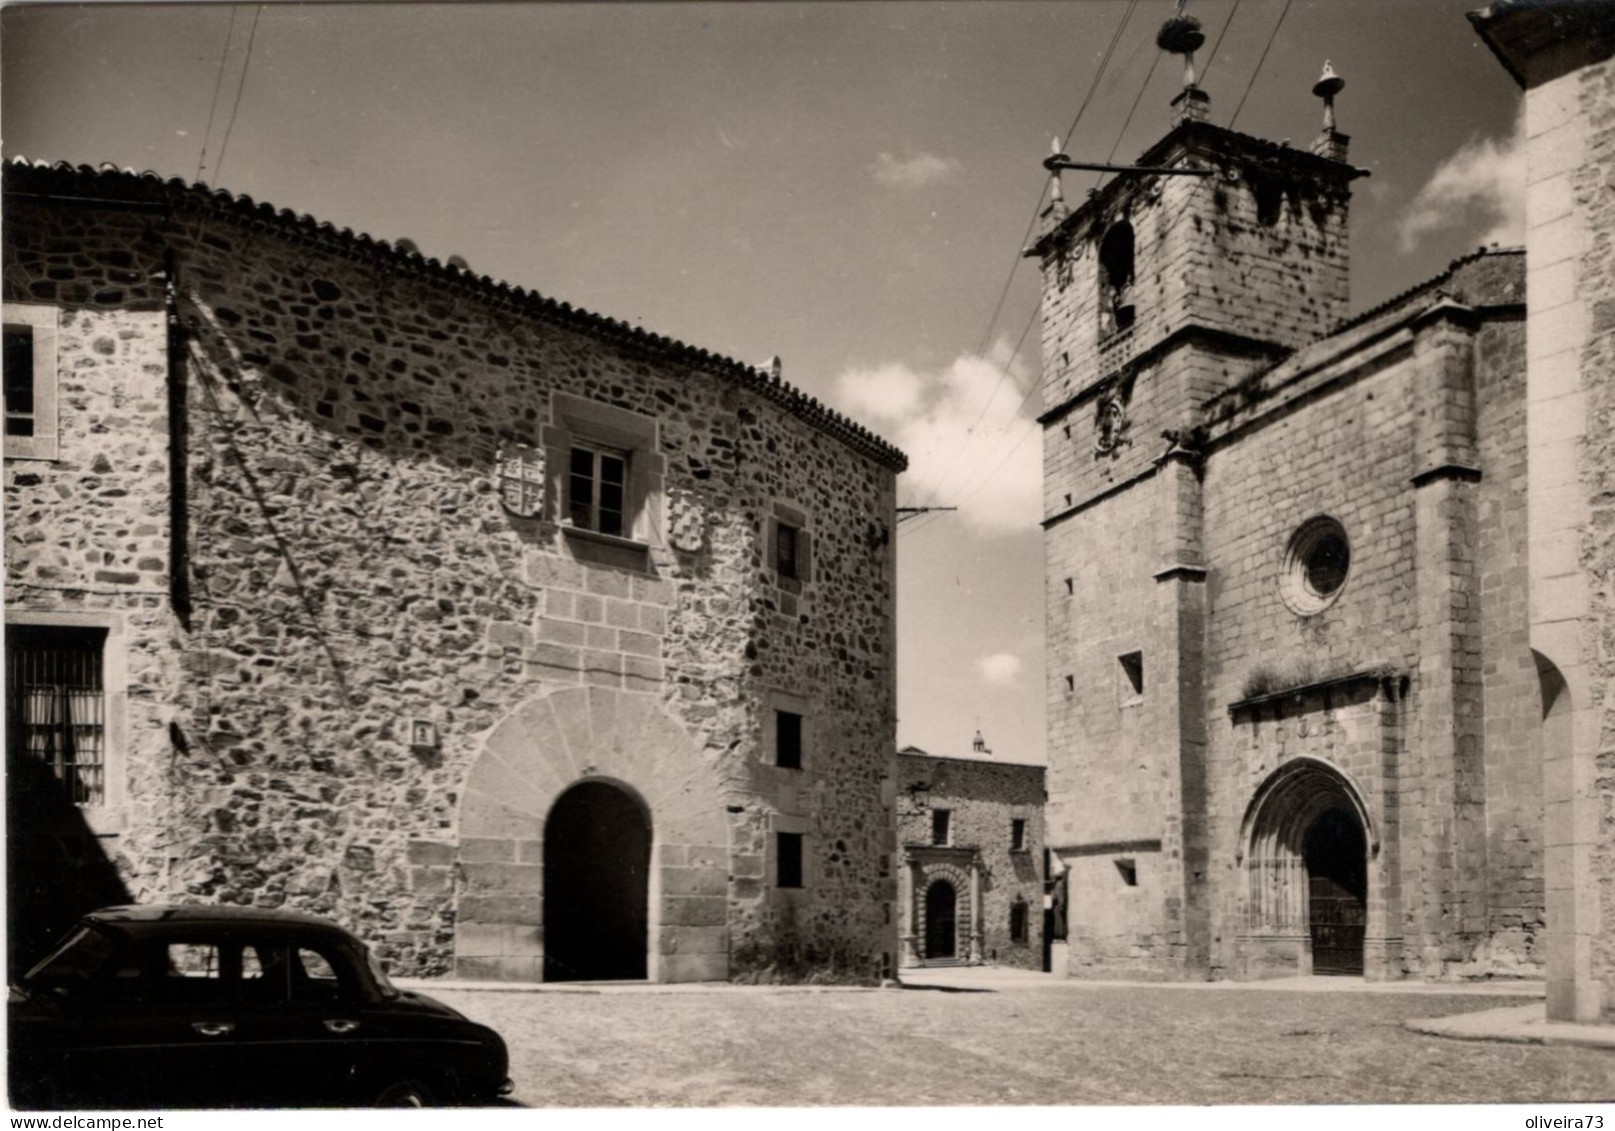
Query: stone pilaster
x=1451 y=860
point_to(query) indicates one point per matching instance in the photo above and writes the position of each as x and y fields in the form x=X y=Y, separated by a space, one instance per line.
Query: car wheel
x=406 y=1091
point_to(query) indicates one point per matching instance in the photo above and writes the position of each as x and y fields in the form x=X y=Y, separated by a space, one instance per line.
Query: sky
x=847 y=186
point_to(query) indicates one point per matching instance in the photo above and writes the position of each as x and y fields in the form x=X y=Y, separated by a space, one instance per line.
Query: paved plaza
x=975 y=1037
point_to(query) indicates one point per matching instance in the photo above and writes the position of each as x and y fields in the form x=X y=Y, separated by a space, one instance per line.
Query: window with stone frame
x=30 y=381
x=1018 y=921
x=790 y=550
x=1017 y=834
x=942 y=826
x=597 y=490
x=788 y=740
x=604 y=478
x=56 y=705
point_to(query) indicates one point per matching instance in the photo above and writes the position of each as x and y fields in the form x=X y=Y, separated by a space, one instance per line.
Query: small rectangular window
x=19 y=380
x=941 y=825
x=1128 y=870
x=597 y=490
x=1017 y=921
x=1130 y=682
x=786 y=564
x=789 y=849
x=788 y=740
x=1017 y=834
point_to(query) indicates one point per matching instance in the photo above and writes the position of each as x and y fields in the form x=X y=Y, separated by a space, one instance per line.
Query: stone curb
x=445 y=985
x=1515 y=1024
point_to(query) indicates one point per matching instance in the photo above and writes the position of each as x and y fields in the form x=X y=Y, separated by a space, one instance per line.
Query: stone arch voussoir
x=544 y=746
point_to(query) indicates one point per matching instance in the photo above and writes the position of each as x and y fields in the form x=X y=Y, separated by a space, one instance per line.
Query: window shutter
x=804 y=556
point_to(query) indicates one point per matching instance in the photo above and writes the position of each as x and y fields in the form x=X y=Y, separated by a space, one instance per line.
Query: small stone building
x=527 y=644
x=1295 y=718
x=970 y=888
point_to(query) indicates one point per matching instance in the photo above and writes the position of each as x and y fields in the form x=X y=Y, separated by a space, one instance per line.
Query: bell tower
x=1214 y=257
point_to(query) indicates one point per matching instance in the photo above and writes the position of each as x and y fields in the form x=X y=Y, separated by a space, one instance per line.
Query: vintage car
x=198 y=1006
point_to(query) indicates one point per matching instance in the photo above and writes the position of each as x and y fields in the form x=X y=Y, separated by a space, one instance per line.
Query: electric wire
x=1259 y=62
x=240 y=86
x=218 y=83
x=1031 y=224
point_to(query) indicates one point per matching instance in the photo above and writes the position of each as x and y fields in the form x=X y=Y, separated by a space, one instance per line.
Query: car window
x=263 y=973
x=321 y=976
x=71 y=966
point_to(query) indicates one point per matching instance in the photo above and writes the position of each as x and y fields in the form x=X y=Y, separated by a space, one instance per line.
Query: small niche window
x=1017 y=921
x=30 y=381
x=1130 y=676
x=1116 y=312
x=597 y=490
x=785 y=544
x=788 y=740
x=19 y=377
x=1017 y=834
x=1316 y=565
x=1128 y=870
x=788 y=849
x=941 y=826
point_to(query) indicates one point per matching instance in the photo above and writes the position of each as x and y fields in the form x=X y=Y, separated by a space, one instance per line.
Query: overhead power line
x=1031 y=224
x=240 y=86
x=1259 y=62
x=218 y=82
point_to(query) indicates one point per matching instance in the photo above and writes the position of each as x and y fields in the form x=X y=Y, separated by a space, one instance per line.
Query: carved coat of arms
x=1110 y=425
x=687 y=522
x=521 y=479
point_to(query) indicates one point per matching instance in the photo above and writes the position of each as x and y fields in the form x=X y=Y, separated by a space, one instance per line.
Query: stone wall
x=983 y=798
x=349 y=416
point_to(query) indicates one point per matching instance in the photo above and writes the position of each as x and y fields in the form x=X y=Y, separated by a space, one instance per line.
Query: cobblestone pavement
x=1049 y=1043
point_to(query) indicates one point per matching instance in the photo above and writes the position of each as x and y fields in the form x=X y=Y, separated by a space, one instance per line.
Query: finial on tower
x=1181 y=35
x=1331 y=142
x=1057 y=210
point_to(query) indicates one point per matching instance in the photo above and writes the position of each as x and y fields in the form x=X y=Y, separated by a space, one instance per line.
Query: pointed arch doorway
x=597 y=844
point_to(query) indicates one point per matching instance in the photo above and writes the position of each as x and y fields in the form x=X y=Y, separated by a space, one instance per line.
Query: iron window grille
x=56 y=705
x=597 y=490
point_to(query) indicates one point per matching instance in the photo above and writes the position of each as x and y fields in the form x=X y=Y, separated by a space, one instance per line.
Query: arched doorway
x=1308 y=842
x=597 y=842
x=1336 y=860
x=941 y=920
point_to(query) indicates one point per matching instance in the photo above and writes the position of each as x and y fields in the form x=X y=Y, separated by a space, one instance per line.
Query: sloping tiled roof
x=114 y=186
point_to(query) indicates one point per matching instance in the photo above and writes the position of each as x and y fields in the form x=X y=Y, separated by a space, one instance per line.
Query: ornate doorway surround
x=925 y=867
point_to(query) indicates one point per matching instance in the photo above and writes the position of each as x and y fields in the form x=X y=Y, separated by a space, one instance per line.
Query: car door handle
x=213 y=1028
x=341 y=1025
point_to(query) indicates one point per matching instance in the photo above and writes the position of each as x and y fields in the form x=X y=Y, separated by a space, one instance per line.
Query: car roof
x=149 y=916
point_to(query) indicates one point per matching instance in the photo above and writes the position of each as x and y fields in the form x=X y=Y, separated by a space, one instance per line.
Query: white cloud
x=913 y=172
x=970 y=440
x=1001 y=668
x=1482 y=183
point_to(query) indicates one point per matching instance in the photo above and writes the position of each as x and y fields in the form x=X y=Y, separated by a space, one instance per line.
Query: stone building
x=970 y=888
x=1561 y=54
x=526 y=643
x=1294 y=714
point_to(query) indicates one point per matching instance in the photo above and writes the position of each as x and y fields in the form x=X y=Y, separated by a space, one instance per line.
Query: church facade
x=525 y=643
x=1295 y=720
